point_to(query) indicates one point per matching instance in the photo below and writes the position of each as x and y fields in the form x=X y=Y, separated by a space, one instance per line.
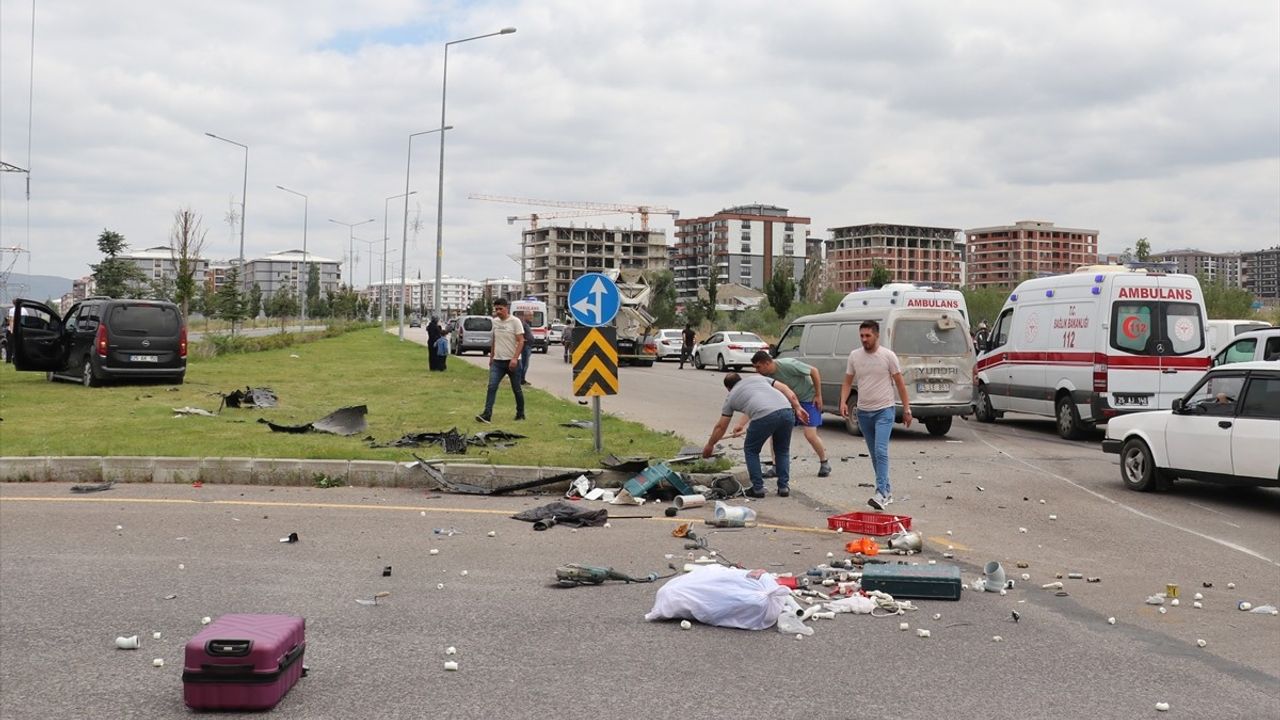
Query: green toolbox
x=929 y=582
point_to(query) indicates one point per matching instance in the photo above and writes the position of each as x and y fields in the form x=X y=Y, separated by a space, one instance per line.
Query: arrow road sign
x=595 y=362
x=594 y=300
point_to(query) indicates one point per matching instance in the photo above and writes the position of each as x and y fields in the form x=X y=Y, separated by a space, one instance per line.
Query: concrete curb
x=288 y=472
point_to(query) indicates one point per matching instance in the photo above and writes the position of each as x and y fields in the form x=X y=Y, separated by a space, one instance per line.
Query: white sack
x=721 y=596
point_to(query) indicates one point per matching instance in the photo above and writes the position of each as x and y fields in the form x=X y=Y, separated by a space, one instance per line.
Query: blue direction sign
x=594 y=300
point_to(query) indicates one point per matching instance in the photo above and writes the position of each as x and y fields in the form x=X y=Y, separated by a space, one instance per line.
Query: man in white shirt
x=877 y=372
x=504 y=358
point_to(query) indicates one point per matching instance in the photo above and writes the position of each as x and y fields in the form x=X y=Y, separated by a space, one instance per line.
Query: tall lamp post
x=404 y=235
x=306 y=265
x=351 y=243
x=244 y=191
x=369 y=273
x=382 y=303
x=444 y=85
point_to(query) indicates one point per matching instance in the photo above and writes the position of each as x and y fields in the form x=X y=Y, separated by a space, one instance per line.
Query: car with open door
x=101 y=339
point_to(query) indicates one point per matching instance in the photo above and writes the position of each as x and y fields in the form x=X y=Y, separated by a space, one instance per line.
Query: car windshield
x=477 y=323
x=743 y=337
x=924 y=337
x=144 y=320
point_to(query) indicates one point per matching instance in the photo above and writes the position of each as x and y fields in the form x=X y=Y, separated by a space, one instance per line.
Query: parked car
x=555 y=333
x=669 y=344
x=415 y=321
x=728 y=349
x=1222 y=332
x=1223 y=430
x=101 y=339
x=474 y=332
x=1254 y=345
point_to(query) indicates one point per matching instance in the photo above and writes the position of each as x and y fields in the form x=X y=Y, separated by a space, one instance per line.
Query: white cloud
x=1157 y=119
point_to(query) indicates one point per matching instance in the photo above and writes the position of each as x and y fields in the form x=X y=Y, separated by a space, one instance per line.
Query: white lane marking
x=1230 y=523
x=1202 y=507
x=1135 y=511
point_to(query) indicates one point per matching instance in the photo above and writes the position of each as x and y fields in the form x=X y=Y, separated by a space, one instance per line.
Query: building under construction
x=551 y=258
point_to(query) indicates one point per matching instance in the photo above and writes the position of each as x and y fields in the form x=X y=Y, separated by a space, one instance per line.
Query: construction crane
x=533 y=218
x=642 y=210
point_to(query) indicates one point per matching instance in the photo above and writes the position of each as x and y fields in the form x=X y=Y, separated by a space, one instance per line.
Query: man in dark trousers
x=686 y=343
x=434 y=360
x=772 y=409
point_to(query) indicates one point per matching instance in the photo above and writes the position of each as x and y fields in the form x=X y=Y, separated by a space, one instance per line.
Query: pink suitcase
x=243 y=662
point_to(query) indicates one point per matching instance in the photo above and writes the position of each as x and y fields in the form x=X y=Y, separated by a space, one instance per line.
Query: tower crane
x=533 y=218
x=600 y=207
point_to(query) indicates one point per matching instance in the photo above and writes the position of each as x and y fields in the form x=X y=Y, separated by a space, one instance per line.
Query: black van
x=101 y=339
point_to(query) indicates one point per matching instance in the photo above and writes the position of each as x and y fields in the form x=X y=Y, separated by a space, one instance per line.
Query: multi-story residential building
x=216 y=274
x=456 y=295
x=911 y=253
x=1214 y=267
x=742 y=244
x=288 y=270
x=553 y=257
x=503 y=287
x=1004 y=255
x=160 y=263
x=1262 y=274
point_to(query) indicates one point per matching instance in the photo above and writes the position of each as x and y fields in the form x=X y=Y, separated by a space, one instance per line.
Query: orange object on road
x=866 y=546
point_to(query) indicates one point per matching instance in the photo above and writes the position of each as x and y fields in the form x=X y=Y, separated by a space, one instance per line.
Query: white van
x=906 y=295
x=1222 y=332
x=932 y=344
x=1084 y=347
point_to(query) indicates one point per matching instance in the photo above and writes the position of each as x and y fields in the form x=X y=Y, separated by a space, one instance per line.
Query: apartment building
x=503 y=287
x=551 y=258
x=911 y=253
x=1004 y=255
x=159 y=263
x=1214 y=267
x=456 y=295
x=288 y=270
x=742 y=244
x=1261 y=270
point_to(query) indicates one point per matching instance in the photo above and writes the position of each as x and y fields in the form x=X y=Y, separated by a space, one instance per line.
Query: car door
x=996 y=363
x=1198 y=437
x=1255 y=437
x=712 y=344
x=39 y=340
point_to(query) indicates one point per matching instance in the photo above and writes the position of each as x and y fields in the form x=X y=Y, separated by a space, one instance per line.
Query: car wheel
x=1137 y=468
x=87 y=377
x=1069 y=425
x=983 y=410
x=697 y=361
x=720 y=363
x=938 y=425
x=851 y=422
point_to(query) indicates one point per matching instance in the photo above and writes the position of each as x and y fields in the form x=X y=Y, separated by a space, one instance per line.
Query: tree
x=186 y=244
x=709 y=308
x=208 y=300
x=116 y=277
x=313 y=285
x=880 y=275
x=662 y=298
x=781 y=289
x=1224 y=302
x=163 y=288
x=811 y=281
x=481 y=306
x=1142 y=250
x=282 y=305
x=984 y=304
x=230 y=299
x=255 y=301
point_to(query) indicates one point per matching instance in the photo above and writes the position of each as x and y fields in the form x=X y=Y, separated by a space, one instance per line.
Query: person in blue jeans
x=772 y=409
x=504 y=359
x=877 y=373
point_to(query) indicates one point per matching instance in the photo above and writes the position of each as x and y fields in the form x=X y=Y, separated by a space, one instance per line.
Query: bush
x=214 y=345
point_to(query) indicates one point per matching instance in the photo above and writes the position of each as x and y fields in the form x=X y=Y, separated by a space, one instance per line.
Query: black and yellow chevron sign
x=595 y=361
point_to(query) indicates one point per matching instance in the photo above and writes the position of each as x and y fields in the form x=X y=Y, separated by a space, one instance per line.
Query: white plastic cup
x=734 y=512
x=690 y=501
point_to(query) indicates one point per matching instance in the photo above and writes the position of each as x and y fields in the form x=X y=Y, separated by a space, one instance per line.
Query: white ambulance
x=906 y=295
x=1084 y=347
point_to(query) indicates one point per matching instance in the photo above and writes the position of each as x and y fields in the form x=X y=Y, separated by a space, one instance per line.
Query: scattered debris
x=343 y=421
x=373 y=600
x=155 y=636
x=1162 y=707
x=386 y=571
x=94 y=488
x=158 y=662
x=685 y=625
x=573 y=575
x=291 y=538
x=450 y=665
x=546 y=516
x=259 y=397
x=1111 y=621
x=451 y=650
x=188 y=410
x=127 y=643
x=1201 y=643
x=582 y=424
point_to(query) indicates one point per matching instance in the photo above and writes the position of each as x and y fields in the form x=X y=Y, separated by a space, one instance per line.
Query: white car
x=670 y=343
x=1252 y=345
x=555 y=333
x=1226 y=429
x=728 y=349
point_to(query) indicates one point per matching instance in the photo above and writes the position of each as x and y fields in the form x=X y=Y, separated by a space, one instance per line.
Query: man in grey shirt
x=772 y=409
x=504 y=358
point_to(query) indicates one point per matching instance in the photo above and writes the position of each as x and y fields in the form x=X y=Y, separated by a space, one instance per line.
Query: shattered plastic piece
x=206 y=620
x=178 y=412
x=451 y=650
x=260 y=397
x=493 y=533
x=92 y=488
x=1162 y=707
x=1174 y=602
x=1053 y=517
x=1230 y=585
x=1201 y=643
x=685 y=625
x=451 y=665
x=119 y=527
x=182 y=566
x=1197 y=604
x=439 y=586
x=904 y=626
x=1111 y=621
x=343 y=421
x=1163 y=610
x=1155 y=600
x=158 y=662
x=1244 y=605
x=1052 y=586
x=463 y=573
x=1198 y=596
x=1022 y=530
x=292 y=538
x=433 y=551
x=127 y=643
x=922 y=633
x=1026 y=576
x=1265 y=610
x=155 y=636
x=937 y=616
x=996 y=638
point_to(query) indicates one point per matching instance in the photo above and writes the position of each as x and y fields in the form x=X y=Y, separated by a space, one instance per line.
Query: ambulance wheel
x=938 y=425
x=1137 y=468
x=983 y=410
x=1069 y=425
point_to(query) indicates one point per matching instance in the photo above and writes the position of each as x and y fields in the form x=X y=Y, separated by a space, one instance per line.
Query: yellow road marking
x=943 y=541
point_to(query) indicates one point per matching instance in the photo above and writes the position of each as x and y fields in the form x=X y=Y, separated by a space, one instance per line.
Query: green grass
x=365 y=367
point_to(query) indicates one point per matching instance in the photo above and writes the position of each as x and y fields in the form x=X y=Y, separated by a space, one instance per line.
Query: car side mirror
x=773 y=350
x=1179 y=406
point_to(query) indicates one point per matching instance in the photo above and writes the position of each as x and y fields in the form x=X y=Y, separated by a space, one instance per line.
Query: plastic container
x=869 y=523
x=734 y=512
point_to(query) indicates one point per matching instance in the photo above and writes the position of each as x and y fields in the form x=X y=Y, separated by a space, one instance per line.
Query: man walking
x=504 y=358
x=686 y=343
x=876 y=371
x=805 y=381
x=772 y=409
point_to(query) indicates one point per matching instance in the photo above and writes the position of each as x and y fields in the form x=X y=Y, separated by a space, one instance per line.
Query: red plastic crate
x=869 y=523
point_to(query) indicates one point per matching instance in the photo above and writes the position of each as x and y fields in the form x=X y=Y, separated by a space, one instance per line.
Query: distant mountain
x=33 y=287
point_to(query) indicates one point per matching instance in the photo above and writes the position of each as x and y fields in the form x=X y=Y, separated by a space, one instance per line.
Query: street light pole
x=404 y=236
x=244 y=191
x=306 y=266
x=382 y=302
x=351 y=243
x=444 y=85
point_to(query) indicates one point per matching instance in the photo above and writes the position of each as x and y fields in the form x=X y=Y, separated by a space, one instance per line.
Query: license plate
x=144 y=358
x=936 y=386
x=1133 y=400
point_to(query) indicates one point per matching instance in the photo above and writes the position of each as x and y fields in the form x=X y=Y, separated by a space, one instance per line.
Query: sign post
x=593 y=301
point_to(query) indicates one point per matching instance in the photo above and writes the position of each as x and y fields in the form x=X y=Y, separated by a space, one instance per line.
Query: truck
x=637 y=333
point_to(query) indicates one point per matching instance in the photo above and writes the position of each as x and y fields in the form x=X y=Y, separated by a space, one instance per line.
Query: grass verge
x=365 y=367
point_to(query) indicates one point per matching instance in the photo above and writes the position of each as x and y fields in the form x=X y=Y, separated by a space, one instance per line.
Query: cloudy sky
x=1156 y=118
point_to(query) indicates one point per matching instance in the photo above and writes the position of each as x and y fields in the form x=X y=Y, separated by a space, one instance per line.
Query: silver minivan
x=932 y=346
x=474 y=332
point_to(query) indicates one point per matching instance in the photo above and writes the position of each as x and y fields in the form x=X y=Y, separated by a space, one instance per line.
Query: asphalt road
x=70 y=583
